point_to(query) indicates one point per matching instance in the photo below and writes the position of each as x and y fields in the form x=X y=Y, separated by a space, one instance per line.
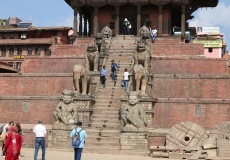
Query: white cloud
x=213 y=17
x=216 y=16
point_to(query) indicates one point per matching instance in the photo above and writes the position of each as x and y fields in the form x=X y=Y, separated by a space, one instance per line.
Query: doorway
x=129 y=12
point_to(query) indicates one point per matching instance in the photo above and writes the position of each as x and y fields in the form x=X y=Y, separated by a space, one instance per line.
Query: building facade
x=165 y=14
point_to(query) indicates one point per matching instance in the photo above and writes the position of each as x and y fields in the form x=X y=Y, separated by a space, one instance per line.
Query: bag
x=114 y=67
x=130 y=26
x=1 y=129
x=76 y=139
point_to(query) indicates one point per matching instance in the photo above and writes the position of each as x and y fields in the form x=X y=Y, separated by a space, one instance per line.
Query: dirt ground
x=27 y=154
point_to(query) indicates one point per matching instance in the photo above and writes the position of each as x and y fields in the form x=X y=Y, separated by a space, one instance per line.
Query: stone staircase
x=104 y=133
x=223 y=148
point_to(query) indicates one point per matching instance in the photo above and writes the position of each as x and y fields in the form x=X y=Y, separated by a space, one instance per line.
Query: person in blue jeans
x=78 y=149
x=126 y=79
x=40 y=132
x=114 y=69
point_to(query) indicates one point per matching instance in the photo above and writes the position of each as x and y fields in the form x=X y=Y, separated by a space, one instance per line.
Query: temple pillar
x=85 y=25
x=89 y=26
x=80 y=25
x=75 y=22
x=160 y=24
x=117 y=21
x=95 y=27
x=138 y=18
x=183 y=21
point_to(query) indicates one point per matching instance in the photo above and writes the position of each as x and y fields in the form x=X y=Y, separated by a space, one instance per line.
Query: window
x=19 y=64
x=47 y=52
x=29 y=50
x=11 y=35
x=19 y=51
x=210 y=50
x=38 y=51
x=23 y=35
x=3 y=35
x=3 y=51
x=11 y=51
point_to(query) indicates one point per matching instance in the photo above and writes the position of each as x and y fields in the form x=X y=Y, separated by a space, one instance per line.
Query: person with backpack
x=126 y=26
x=114 y=69
x=78 y=136
x=126 y=79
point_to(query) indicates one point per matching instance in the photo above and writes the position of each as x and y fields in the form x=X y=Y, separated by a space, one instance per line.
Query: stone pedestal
x=134 y=141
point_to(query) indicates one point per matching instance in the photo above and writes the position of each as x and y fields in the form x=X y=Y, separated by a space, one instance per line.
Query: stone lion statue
x=142 y=55
x=106 y=32
x=80 y=76
x=100 y=42
x=141 y=78
x=92 y=58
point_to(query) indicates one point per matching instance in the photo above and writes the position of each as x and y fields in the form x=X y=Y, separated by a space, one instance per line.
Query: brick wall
x=177 y=49
x=51 y=64
x=191 y=86
x=167 y=113
x=180 y=65
x=27 y=110
x=35 y=84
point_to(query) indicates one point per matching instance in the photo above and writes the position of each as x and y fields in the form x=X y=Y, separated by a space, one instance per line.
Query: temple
x=165 y=14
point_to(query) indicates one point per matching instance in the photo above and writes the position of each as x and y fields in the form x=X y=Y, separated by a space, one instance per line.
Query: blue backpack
x=114 y=67
x=76 y=139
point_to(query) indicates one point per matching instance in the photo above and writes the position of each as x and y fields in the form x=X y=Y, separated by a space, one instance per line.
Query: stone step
x=103 y=125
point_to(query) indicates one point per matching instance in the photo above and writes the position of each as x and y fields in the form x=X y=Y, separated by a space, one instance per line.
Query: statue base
x=134 y=141
x=62 y=126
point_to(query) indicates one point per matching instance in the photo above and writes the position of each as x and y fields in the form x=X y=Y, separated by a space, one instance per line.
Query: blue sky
x=58 y=13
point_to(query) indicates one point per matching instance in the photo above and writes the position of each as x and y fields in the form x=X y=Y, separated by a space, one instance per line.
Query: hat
x=154 y=26
x=13 y=129
x=126 y=19
x=79 y=123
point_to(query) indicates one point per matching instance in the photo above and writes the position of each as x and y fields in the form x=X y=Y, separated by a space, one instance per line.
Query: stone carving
x=100 y=42
x=186 y=134
x=92 y=57
x=144 y=34
x=141 y=78
x=133 y=116
x=80 y=76
x=66 y=111
x=142 y=56
x=106 y=32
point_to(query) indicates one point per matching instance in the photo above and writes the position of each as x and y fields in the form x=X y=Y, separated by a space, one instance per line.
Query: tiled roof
x=26 y=41
x=12 y=29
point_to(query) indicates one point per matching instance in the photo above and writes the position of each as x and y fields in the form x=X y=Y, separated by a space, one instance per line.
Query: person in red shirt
x=13 y=144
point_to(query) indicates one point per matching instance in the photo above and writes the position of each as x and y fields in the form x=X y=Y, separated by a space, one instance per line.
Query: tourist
x=13 y=144
x=103 y=75
x=154 y=33
x=78 y=149
x=126 y=26
x=114 y=69
x=19 y=129
x=5 y=132
x=71 y=35
x=126 y=79
x=40 y=132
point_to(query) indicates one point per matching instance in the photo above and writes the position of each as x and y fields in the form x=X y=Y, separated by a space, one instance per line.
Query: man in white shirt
x=126 y=79
x=154 y=33
x=40 y=132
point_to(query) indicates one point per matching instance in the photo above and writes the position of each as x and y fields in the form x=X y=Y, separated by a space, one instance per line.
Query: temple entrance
x=129 y=12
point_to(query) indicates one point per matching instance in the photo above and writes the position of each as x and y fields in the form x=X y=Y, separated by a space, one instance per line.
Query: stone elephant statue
x=141 y=78
x=80 y=75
